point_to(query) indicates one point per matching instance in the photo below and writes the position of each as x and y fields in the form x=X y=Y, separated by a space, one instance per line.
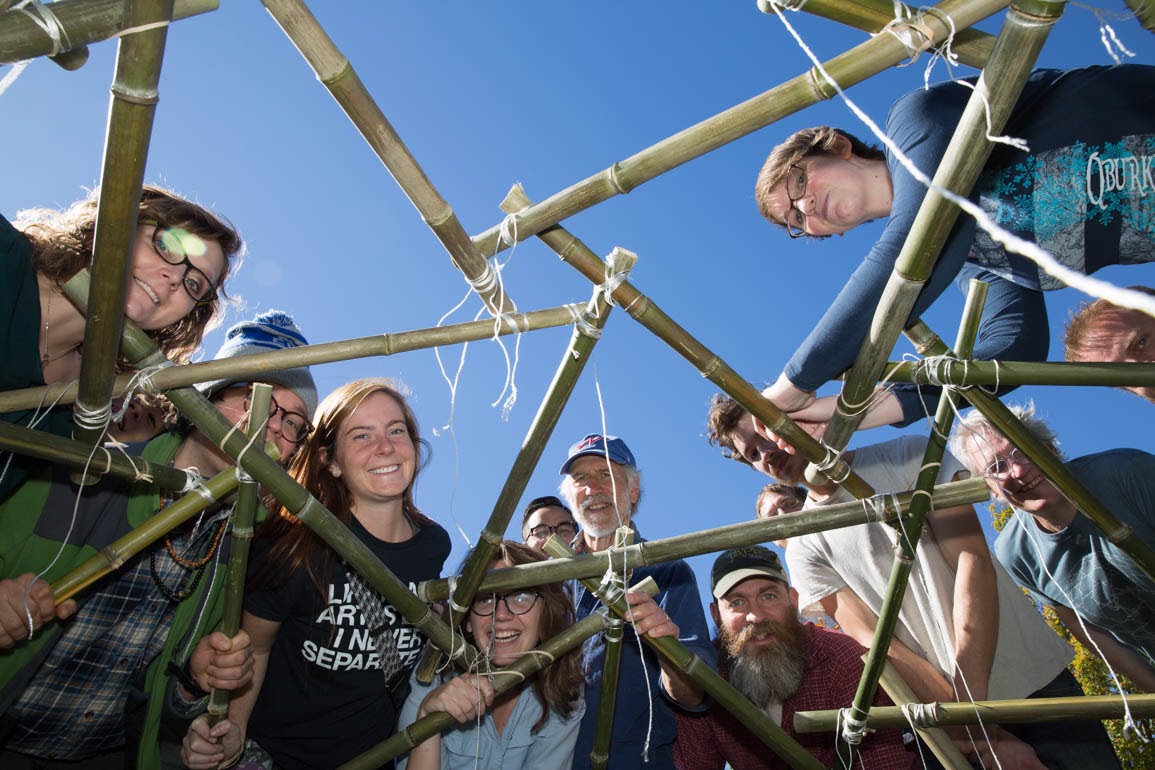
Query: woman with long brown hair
x=181 y=257
x=534 y=725
x=331 y=656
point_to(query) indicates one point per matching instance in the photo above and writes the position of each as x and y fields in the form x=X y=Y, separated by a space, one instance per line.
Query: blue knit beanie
x=271 y=330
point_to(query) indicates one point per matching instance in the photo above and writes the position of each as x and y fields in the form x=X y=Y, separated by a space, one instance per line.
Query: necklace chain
x=47 y=316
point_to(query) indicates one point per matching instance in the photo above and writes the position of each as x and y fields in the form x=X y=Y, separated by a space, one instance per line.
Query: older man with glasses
x=115 y=685
x=1060 y=556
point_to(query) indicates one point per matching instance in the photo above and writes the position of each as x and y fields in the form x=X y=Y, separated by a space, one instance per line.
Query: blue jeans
x=1013 y=327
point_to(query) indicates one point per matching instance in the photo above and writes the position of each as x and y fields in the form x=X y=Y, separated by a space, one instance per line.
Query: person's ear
x=842 y=147
x=794 y=599
x=714 y=613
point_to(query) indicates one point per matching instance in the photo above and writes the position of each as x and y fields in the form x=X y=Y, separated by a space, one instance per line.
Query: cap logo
x=586 y=443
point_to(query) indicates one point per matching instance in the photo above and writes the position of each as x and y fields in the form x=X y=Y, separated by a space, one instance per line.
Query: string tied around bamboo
x=830 y=462
x=852 y=730
x=452 y=582
x=46 y=20
x=139 y=474
x=914 y=34
x=195 y=482
x=583 y=323
x=250 y=441
x=919 y=715
x=96 y=419
x=617 y=273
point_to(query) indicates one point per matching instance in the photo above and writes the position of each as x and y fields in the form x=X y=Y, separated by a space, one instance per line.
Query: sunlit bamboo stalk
x=972 y=46
x=134 y=97
x=1025 y=29
x=615 y=583
x=82 y=22
x=240 y=538
x=573 y=362
x=645 y=311
x=386 y=344
x=1022 y=711
x=336 y=73
x=783 y=527
x=752 y=717
x=101 y=461
x=910 y=527
x=848 y=69
x=1014 y=373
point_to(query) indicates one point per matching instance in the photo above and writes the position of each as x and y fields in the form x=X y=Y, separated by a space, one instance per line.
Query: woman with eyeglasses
x=533 y=725
x=331 y=656
x=181 y=256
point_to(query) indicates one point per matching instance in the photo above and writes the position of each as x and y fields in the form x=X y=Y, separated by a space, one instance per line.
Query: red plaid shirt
x=708 y=740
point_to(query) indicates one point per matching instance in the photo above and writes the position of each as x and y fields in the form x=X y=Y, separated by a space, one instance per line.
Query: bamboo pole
x=848 y=69
x=1027 y=24
x=112 y=557
x=645 y=311
x=935 y=738
x=100 y=461
x=615 y=583
x=143 y=353
x=81 y=22
x=882 y=508
x=386 y=344
x=134 y=97
x=1144 y=11
x=1023 y=711
x=504 y=679
x=1045 y=460
x=1015 y=373
x=240 y=538
x=573 y=362
x=336 y=73
x=911 y=528
x=972 y=46
x=690 y=664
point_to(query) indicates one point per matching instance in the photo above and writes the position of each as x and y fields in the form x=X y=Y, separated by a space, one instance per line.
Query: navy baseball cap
x=603 y=446
x=737 y=564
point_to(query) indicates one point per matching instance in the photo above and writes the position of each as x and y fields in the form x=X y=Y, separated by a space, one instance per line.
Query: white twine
x=616 y=275
x=46 y=20
x=1111 y=42
x=93 y=419
x=1094 y=287
x=195 y=482
x=9 y=78
x=582 y=322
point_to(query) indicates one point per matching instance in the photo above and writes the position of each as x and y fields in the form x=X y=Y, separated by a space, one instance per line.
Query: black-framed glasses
x=168 y=243
x=518 y=602
x=1002 y=466
x=567 y=530
x=295 y=427
x=795 y=191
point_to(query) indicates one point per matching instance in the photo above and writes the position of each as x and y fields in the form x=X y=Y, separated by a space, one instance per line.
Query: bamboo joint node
x=147 y=97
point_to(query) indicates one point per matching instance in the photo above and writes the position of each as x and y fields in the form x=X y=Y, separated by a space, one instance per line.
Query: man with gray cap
x=116 y=681
x=602 y=485
x=782 y=666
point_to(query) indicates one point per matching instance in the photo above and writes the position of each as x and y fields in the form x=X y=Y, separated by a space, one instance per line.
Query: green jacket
x=34 y=523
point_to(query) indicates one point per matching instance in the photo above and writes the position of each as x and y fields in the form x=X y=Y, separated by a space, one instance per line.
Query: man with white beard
x=779 y=664
x=602 y=485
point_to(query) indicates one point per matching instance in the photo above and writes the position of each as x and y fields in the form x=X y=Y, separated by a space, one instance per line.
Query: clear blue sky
x=485 y=95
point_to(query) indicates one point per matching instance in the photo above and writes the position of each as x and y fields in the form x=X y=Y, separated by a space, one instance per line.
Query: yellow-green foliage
x=1092 y=673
